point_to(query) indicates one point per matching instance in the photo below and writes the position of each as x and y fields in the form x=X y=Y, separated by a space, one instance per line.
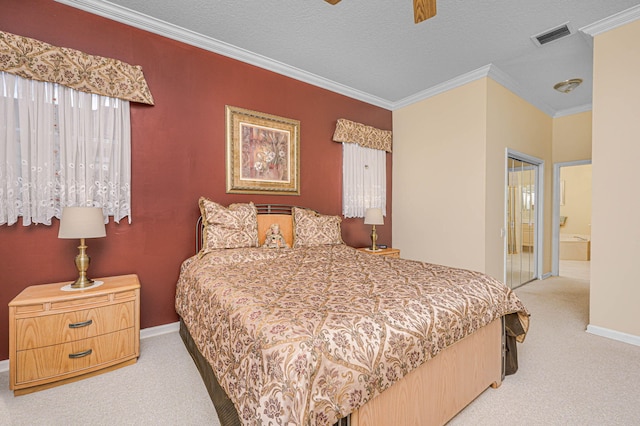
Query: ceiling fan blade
x=423 y=9
x=333 y=1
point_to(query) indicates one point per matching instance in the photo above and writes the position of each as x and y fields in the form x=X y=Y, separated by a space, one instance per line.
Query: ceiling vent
x=552 y=35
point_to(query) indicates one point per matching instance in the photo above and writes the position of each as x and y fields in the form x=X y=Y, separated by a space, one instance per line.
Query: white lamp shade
x=82 y=222
x=373 y=216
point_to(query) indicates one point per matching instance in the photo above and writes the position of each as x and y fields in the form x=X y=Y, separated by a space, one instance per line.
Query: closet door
x=521 y=222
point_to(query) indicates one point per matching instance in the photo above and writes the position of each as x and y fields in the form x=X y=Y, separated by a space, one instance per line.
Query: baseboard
x=615 y=335
x=144 y=333
x=159 y=330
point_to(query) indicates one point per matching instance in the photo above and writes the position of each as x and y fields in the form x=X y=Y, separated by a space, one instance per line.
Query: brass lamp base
x=82 y=263
x=82 y=282
x=374 y=239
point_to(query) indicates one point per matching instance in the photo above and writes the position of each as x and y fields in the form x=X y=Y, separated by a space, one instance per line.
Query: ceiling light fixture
x=568 y=85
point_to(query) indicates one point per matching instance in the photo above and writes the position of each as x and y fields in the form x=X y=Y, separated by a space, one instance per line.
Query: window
x=364 y=179
x=61 y=147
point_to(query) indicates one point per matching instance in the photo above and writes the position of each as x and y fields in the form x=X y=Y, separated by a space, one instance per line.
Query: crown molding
x=443 y=87
x=165 y=29
x=503 y=78
x=613 y=21
x=575 y=110
x=490 y=71
x=139 y=20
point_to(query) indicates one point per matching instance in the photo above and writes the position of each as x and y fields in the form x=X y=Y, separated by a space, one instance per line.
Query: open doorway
x=571 y=246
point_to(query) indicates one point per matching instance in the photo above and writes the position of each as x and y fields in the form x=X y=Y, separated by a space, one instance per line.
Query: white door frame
x=539 y=209
x=555 y=238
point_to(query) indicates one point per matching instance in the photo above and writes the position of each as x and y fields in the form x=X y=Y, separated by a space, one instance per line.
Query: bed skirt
x=227 y=413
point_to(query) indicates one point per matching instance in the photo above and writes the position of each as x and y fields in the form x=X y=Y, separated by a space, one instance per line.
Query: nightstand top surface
x=388 y=250
x=51 y=292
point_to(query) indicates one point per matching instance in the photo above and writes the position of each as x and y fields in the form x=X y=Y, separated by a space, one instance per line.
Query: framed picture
x=263 y=153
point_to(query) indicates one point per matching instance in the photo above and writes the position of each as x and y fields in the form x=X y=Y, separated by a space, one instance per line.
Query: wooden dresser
x=390 y=252
x=58 y=336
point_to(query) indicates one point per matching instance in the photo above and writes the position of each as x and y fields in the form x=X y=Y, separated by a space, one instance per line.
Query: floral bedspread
x=304 y=336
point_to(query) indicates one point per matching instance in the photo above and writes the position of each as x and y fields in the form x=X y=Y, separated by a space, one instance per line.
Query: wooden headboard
x=268 y=214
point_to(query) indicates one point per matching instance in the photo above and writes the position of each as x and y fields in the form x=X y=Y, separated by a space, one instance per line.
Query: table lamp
x=82 y=222
x=373 y=216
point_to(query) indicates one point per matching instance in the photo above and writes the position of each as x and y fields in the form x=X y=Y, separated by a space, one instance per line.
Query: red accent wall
x=178 y=154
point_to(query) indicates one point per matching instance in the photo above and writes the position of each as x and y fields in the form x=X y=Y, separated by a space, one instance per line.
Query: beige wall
x=438 y=178
x=517 y=125
x=577 y=199
x=572 y=137
x=615 y=230
x=449 y=174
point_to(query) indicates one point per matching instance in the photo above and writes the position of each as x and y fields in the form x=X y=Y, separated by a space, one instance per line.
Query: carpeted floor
x=566 y=377
x=162 y=388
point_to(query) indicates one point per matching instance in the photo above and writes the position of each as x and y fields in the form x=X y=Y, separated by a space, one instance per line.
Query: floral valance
x=366 y=136
x=36 y=60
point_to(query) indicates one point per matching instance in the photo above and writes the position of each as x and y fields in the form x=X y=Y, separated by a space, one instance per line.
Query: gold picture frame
x=263 y=153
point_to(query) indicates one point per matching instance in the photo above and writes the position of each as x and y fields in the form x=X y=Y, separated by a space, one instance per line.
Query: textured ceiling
x=372 y=50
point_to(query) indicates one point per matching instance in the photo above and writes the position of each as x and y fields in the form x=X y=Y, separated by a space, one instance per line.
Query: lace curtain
x=61 y=147
x=364 y=179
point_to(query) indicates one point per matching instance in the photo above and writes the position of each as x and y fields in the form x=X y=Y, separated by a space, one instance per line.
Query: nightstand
x=390 y=252
x=57 y=336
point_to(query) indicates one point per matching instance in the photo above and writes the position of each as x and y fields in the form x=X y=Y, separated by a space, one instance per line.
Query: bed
x=315 y=332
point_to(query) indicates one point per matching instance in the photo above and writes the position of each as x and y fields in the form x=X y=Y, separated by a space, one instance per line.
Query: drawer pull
x=81 y=354
x=81 y=324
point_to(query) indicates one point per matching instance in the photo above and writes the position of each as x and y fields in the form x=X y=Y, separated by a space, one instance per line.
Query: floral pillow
x=313 y=229
x=235 y=226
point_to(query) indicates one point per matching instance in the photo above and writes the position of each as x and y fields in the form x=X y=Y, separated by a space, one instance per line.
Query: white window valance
x=36 y=60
